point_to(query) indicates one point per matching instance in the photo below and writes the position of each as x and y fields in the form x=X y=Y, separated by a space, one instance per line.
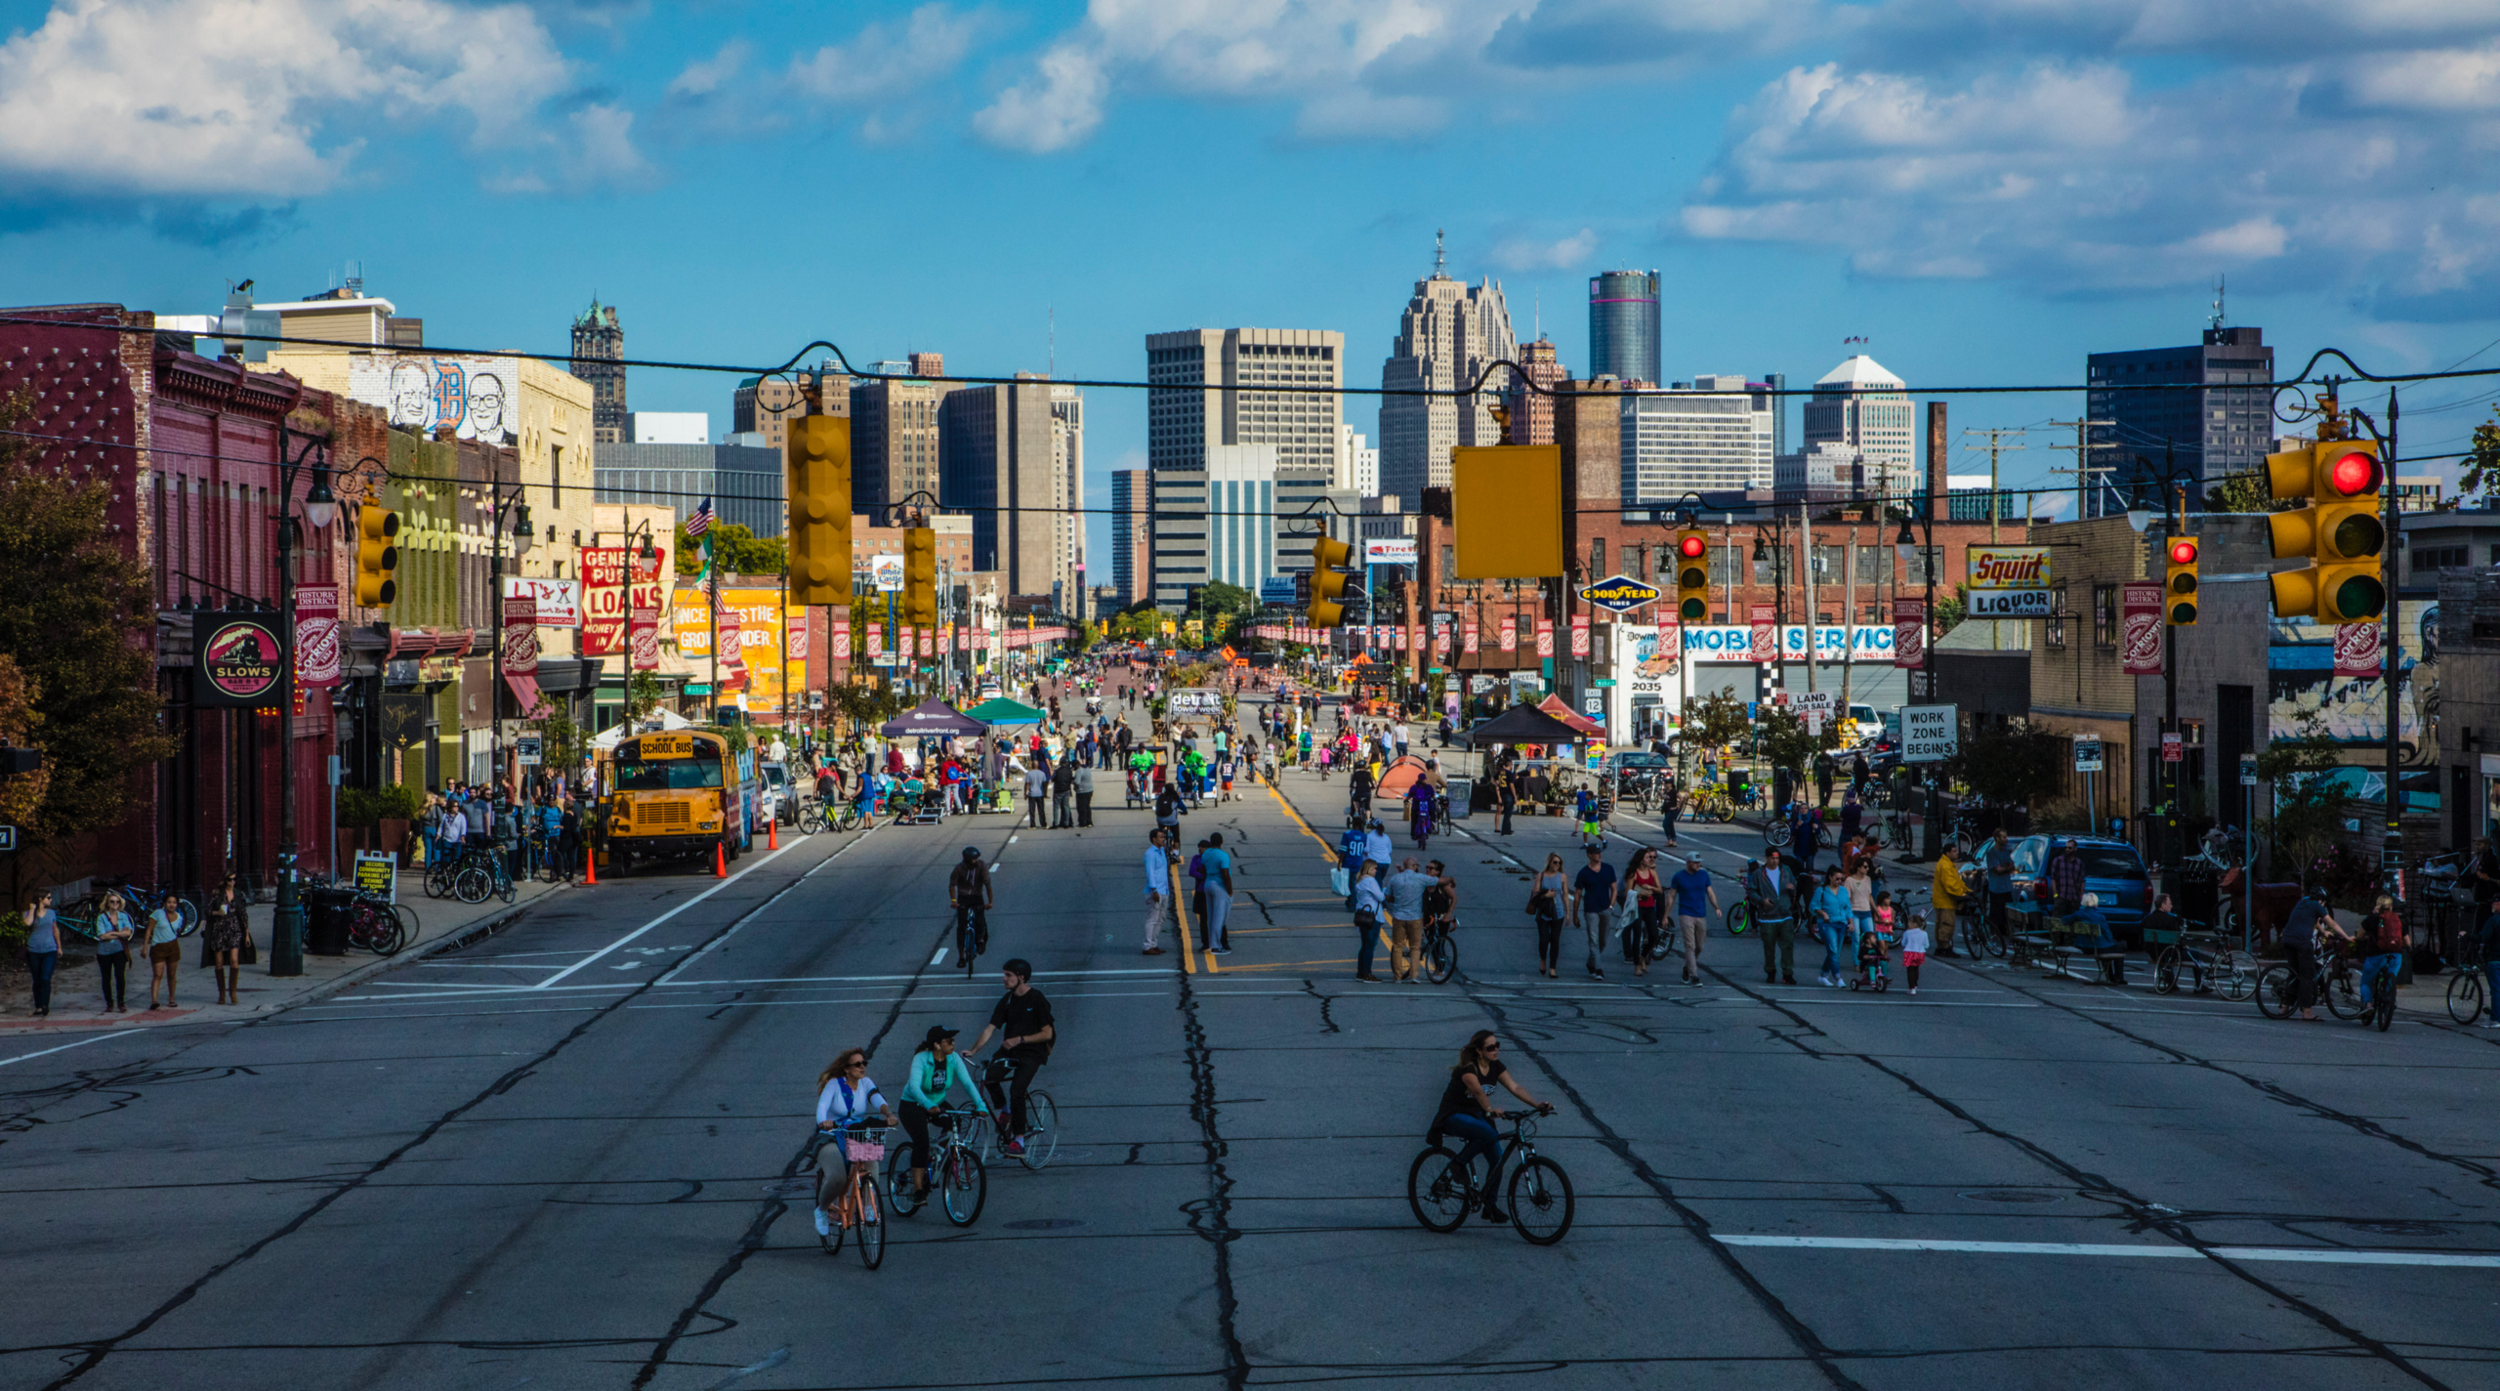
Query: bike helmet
x=972 y=852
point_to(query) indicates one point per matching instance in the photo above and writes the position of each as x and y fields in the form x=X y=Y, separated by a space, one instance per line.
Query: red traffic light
x=2352 y=474
x=2183 y=551
x=1692 y=547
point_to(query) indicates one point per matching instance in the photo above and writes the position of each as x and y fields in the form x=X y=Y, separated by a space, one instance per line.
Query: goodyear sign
x=2009 y=582
x=1620 y=594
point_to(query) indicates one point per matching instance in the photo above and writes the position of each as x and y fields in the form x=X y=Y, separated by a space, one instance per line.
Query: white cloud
x=255 y=98
x=1057 y=106
x=1524 y=254
x=887 y=60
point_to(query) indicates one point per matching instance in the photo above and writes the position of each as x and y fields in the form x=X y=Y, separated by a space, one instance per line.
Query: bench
x=2038 y=939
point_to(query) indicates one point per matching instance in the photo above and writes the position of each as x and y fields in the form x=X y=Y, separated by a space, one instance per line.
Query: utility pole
x=1996 y=446
x=1805 y=552
x=2083 y=470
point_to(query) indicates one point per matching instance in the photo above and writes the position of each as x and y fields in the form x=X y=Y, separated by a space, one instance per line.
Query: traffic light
x=2178 y=591
x=920 y=606
x=2340 y=532
x=377 y=555
x=1331 y=568
x=1692 y=577
x=820 y=509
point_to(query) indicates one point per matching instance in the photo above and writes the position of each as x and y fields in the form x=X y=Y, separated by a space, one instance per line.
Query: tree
x=21 y=795
x=74 y=612
x=2010 y=765
x=1715 y=721
x=1950 y=611
x=1785 y=740
x=2480 y=473
x=2308 y=809
x=2243 y=492
x=739 y=551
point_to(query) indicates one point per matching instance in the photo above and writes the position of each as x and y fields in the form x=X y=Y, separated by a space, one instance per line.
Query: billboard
x=2009 y=582
x=477 y=398
x=760 y=628
x=1389 y=550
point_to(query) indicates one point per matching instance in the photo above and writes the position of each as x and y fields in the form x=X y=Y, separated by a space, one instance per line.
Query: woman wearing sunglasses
x=1468 y=1112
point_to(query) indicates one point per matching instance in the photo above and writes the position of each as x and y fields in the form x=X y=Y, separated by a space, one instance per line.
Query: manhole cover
x=2400 y=1228
x=2010 y=1195
x=1043 y=1224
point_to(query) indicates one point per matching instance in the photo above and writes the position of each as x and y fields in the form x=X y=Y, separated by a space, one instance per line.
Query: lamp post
x=522 y=539
x=286 y=933
x=2391 y=848
x=1905 y=542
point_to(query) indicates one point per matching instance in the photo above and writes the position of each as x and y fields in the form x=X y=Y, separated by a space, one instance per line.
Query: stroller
x=1874 y=962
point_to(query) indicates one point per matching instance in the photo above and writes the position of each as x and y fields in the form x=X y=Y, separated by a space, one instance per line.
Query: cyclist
x=2382 y=944
x=550 y=831
x=935 y=1073
x=968 y=892
x=1022 y=1016
x=1467 y=1111
x=844 y=1098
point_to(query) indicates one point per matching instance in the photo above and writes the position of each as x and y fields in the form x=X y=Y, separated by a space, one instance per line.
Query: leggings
x=1482 y=1139
x=1648 y=925
x=2304 y=959
x=41 y=965
x=116 y=971
x=915 y=1118
x=1549 y=942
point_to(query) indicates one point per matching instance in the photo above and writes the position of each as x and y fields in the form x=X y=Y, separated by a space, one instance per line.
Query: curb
x=469 y=936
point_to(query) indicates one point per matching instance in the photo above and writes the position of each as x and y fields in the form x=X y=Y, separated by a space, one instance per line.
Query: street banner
x=558 y=602
x=642 y=632
x=603 y=599
x=2357 y=648
x=842 y=632
x=1579 y=635
x=876 y=643
x=1765 y=633
x=1544 y=636
x=1510 y=633
x=733 y=643
x=2009 y=582
x=520 y=636
x=794 y=638
x=1909 y=631
x=908 y=643
x=317 y=637
x=1475 y=628
x=928 y=643
x=2140 y=636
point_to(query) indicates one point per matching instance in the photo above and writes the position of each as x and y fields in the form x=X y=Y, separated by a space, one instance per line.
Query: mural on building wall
x=2302 y=688
x=474 y=396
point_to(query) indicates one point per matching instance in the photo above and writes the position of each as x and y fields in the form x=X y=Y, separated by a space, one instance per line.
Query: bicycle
x=2334 y=981
x=956 y=1174
x=816 y=816
x=378 y=925
x=2382 y=1006
x=861 y=1204
x=1440 y=950
x=142 y=903
x=480 y=874
x=2226 y=971
x=2465 y=992
x=1041 y=1120
x=1442 y=1191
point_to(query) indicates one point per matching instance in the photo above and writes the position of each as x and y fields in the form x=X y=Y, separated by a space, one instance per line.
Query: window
x=2105 y=616
x=2055 y=625
x=1597 y=558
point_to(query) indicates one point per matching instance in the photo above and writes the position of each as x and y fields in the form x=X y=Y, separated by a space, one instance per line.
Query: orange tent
x=1554 y=706
x=1398 y=777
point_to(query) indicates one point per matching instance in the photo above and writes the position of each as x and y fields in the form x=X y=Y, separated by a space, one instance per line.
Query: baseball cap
x=937 y=1032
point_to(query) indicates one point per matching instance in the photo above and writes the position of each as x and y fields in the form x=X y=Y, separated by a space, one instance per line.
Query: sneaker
x=1913 y=989
x=1219 y=951
x=1015 y=1145
x=1152 y=951
x=1369 y=980
x=1495 y=1215
x=1788 y=980
x=824 y=1223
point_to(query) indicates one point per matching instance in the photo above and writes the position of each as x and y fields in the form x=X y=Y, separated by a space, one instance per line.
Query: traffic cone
x=720 y=861
x=590 y=865
x=772 y=834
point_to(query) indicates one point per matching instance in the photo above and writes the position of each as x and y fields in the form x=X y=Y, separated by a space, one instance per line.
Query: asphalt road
x=571 y=1157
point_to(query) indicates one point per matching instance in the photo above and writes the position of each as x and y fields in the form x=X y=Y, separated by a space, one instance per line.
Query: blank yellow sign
x=1506 y=504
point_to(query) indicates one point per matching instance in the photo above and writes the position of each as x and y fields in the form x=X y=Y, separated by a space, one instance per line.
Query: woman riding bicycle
x=846 y=1098
x=935 y=1071
x=1467 y=1111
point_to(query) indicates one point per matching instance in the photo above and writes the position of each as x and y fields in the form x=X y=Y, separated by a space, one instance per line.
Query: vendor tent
x=1554 y=706
x=931 y=719
x=1000 y=710
x=1522 y=724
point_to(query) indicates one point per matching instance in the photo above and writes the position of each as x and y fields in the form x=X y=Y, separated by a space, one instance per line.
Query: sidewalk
x=442 y=924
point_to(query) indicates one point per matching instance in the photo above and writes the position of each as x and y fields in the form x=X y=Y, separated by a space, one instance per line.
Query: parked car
x=773 y=801
x=2111 y=869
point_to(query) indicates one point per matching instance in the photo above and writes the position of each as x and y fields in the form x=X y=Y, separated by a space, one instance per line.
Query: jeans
x=1548 y=942
x=1367 y=928
x=1066 y=811
x=1037 y=815
x=1830 y=929
x=1219 y=915
x=2393 y=963
x=115 y=968
x=1593 y=924
x=41 y=965
x=2491 y=989
x=1482 y=1140
x=1779 y=944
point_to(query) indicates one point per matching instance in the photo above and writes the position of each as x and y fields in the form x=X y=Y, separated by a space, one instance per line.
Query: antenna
x=2216 y=321
x=1439 y=257
x=1053 y=369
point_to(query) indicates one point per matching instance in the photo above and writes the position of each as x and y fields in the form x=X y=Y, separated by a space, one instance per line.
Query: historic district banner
x=1909 y=631
x=2140 y=636
x=318 y=639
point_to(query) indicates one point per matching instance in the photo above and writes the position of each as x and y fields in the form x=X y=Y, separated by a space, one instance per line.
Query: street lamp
x=523 y=537
x=286 y=932
x=1906 y=542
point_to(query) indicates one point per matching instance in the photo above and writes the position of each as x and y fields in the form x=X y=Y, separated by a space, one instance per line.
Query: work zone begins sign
x=1929 y=733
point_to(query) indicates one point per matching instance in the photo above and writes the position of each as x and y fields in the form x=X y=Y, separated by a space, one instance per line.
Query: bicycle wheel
x=2383 y=1001
x=899 y=1198
x=2465 y=995
x=472 y=884
x=438 y=879
x=811 y=821
x=831 y=1240
x=1440 y=958
x=1437 y=1188
x=505 y=889
x=966 y=1187
x=2343 y=993
x=2234 y=974
x=1775 y=836
x=1994 y=940
x=1738 y=918
x=403 y=925
x=871 y=1223
x=1041 y=1129
x=1540 y=1201
x=2274 y=992
x=2166 y=969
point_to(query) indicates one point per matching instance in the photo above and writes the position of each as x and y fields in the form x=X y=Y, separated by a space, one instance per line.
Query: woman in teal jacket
x=1831 y=912
x=935 y=1071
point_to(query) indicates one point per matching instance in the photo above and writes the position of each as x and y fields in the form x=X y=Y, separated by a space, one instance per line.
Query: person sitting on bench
x=2092 y=934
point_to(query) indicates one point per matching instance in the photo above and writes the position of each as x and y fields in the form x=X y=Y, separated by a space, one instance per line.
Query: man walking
x=1158 y=890
x=1695 y=899
x=1036 y=797
x=1767 y=890
x=1594 y=887
x=1217 y=863
x=2000 y=869
x=1084 y=794
x=1406 y=920
x=1063 y=795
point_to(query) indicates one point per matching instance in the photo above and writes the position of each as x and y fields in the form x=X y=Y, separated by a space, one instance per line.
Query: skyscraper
x=894 y=436
x=1002 y=452
x=1714 y=436
x=1067 y=447
x=1623 y=326
x=764 y=405
x=1532 y=412
x=1204 y=395
x=1132 y=539
x=1865 y=409
x=1448 y=334
x=2207 y=433
x=598 y=344
x=1358 y=463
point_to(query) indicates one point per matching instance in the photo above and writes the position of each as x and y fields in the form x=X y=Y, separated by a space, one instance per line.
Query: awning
x=931 y=718
x=525 y=693
x=1001 y=710
x=1553 y=705
x=1522 y=724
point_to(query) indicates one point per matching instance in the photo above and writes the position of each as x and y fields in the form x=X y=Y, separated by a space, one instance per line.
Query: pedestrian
x=2383 y=942
x=1084 y=783
x=114 y=933
x=1831 y=923
x=2301 y=931
x=1695 y=900
x=1852 y=815
x=1063 y=795
x=1548 y=902
x=1861 y=885
x=1036 y=796
x=1951 y=890
x=1768 y=888
x=1670 y=802
x=1419 y=813
x=1405 y=891
x=1822 y=780
x=2065 y=879
x=164 y=929
x=1198 y=886
x=229 y=922
x=1647 y=898
x=1158 y=889
x=2487 y=943
x=1216 y=874
x=43 y=948
x=1914 y=945
x=1370 y=899
x=2000 y=870
x=1593 y=891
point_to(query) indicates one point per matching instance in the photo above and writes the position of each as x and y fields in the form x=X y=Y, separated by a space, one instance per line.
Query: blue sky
x=1986 y=189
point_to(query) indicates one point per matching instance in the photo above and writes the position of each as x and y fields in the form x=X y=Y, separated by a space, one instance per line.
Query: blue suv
x=2111 y=868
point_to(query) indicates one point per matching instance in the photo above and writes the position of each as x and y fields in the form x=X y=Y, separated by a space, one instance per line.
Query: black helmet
x=972 y=852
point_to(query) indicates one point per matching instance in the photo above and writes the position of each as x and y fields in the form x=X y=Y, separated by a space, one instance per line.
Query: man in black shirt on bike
x=1023 y=1015
x=968 y=893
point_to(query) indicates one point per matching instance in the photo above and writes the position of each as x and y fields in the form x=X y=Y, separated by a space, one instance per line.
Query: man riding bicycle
x=1023 y=1016
x=968 y=893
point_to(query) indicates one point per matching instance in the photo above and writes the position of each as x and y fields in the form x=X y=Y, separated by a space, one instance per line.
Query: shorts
x=1588 y=828
x=169 y=953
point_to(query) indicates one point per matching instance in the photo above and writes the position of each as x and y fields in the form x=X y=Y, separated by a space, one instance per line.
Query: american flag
x=701 y=521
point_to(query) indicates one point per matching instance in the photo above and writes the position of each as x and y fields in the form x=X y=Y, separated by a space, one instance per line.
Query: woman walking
x=113 y=932
x=164 y=948
x=43 y=948
x=229 y=921
x=1549 y=901
x=1832 y=916
x=1649 y=907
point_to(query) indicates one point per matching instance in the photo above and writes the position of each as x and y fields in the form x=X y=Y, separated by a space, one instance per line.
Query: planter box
x=393 y=836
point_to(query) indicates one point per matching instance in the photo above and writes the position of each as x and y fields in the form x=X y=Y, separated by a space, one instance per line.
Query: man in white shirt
x=455 y=829
x=1158 y=891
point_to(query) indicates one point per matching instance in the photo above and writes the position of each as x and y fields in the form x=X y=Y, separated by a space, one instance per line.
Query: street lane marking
x=673 y=971
x=2311 y=1255
x=45 y=1052
x=941 y=956
x=673 y=912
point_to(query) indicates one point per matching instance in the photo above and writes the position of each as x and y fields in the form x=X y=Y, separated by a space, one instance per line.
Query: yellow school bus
x=679 y=793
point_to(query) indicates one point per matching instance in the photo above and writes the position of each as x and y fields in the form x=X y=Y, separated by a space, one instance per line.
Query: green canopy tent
x=995 y=712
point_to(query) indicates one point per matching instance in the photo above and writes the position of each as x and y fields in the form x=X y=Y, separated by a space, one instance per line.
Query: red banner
x=520 y=637
x=318 y=641
x=2140 y=637
x=1909 y=631
x=642 y=602
x=794 y=642
x=1579 y=635
x=1765 y=633
x=2357 y=649
x=1544 y=636
x=1475 y=629
x=731 y=644
x=603 y=599
x=1510 y=633
x=842 y=632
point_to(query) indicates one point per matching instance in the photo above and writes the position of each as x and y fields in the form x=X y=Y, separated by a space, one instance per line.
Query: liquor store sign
x=2009 y=582
x=238 y=659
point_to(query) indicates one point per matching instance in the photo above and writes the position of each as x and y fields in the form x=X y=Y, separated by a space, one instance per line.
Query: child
x=1914 y=948
x=1871 y=967
x=1226 y=769
x=1884 y=922
x=1588 y=818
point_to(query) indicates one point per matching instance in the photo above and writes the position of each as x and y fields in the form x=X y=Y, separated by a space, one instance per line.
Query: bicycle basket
x=863 y=1151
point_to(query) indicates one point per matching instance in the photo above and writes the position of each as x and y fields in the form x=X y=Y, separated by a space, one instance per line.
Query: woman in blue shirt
x=43 y=949
x=1832 y=916
x=935 y=1071
x=113 y=932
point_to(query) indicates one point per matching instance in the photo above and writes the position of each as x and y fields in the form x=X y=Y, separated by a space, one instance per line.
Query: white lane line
x=931 y=1006
x=2312 y=1255
x=742 y=923
x=941 y=956
x=664 y=917
x=457 y=987
x=1043 y=974
x=46 y=1052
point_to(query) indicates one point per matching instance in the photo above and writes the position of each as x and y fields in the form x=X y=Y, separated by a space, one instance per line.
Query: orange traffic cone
x=772 y=834
x=590 y=865
x=720 y=861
